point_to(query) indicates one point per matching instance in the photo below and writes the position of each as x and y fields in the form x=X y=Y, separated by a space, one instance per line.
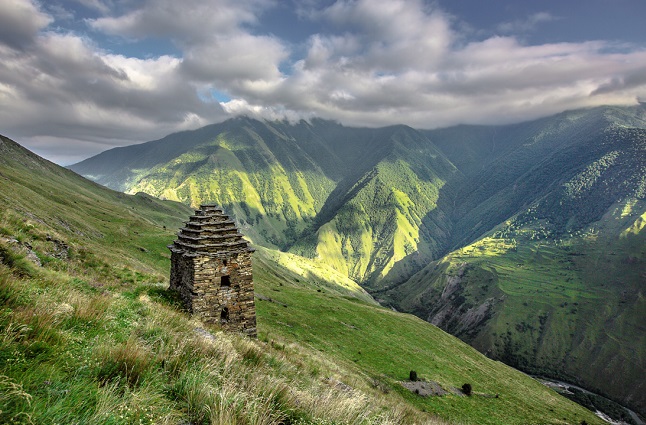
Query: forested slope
x=358 y=200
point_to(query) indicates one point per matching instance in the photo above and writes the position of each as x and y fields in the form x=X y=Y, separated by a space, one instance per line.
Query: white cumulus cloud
x=367 y=63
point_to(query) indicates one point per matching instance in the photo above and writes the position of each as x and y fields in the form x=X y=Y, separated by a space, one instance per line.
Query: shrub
x=466 y=389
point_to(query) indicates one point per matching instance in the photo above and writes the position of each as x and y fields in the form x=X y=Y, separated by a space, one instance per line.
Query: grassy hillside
x=510 y=167
x=63 y=203
x=387 y=223
x=557 y=309
x=358 y=200
x=558 y=288
x=256 y=171
x=91 y=335
x=374 y=204
x=378 y=205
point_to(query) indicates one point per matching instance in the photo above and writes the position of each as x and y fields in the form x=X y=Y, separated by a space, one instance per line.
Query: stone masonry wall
x=182 y=271
x=211 y=269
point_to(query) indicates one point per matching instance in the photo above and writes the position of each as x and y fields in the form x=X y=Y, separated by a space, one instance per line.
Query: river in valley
x=563 y=387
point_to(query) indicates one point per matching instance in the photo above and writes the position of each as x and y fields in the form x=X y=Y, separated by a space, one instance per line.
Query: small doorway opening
x=224 y=315
x=225 y=280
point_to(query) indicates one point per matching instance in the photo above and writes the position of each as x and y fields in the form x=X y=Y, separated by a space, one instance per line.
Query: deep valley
x=525 y=241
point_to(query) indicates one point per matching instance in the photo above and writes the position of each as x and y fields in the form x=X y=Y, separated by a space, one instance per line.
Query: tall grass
x=96 y=338
x=72 y=354
x=15 y=400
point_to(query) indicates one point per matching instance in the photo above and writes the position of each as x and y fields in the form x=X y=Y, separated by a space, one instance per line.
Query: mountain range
x=90 y=333
x=524 y=240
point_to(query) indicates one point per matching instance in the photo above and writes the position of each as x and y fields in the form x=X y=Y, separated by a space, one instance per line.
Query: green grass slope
x=377 y=205
x=64 y=203
x=363 y=201
x=558 y=288
x=509 y=167
x=386 y=223
x=571 y=309
x=255 y=170
x=91 y=335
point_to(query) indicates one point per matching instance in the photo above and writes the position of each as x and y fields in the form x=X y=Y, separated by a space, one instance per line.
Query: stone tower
x=211 y=270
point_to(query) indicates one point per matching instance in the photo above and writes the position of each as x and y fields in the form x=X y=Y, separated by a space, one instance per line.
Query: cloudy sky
x=81 y=76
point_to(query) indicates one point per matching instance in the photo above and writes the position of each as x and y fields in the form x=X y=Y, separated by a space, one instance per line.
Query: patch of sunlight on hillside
x=223 y=141
x=347 y=247
x=591 y=235
x=402 y=198
x=194 y=190
x=170 y=193
x=365 y=250
x=357 y=251
x=284 y=195
x=404 y=242
x=489 y=247
x=628 y=208
x=387 y=267
x=251 y=195
x=405 y=238
x=328 y=248
x=321 y=275
x=636 y=227
x=309 y=199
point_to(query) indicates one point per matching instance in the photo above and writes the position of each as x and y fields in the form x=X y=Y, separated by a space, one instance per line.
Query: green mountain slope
x=510 y=167
x=379 y=205
x=38 y=191
x=558 y=287
x=91 y=335
x=253 y=169
x=358 y=200
x=387 y=223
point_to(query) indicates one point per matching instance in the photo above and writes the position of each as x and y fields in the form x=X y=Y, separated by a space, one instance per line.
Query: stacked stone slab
x=211 y=270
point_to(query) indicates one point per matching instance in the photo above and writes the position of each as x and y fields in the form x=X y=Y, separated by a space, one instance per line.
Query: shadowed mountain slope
x=556 y=286
x=379 y=205
x=358 y=200
x=509 y=167
x=89 y=333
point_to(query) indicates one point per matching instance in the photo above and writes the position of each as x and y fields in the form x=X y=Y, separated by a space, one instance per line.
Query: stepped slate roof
x=209 y=232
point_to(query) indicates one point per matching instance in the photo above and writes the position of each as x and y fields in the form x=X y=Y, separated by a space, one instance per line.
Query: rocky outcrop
x=452 y=314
